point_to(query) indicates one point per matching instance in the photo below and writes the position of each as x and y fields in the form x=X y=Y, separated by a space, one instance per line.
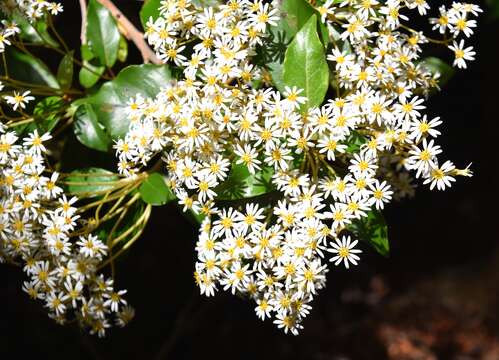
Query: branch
x=83 y=8
x=131 y=33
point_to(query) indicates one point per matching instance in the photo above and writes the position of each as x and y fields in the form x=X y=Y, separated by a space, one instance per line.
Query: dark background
x=436 y=297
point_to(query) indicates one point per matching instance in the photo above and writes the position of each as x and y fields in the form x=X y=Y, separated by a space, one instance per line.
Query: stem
x=59 y=37
x=131 y=33
x=27 y=121
x=435 y=41
x=83 y=33
x=130 y=242
x=5 y=65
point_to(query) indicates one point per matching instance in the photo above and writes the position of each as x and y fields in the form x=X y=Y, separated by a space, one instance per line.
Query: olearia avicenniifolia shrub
x=282 y=128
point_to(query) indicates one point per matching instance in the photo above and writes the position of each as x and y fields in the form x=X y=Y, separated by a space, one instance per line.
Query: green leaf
x=354 y=141
x=154 y=190
x=65 y=71
x=294 y=15
x=103 y=34
x=437 y=66
x=242 y=184
x=24 y=67
x=110 y=102
x=149 y=9
x=89 y=131
x=373 y=230
x=48 y=112
x=123 y=49
x=86 y=52
x=90 y=74
x=305 y=64
x=274 y=57
x=90 y=181
x=34 y=32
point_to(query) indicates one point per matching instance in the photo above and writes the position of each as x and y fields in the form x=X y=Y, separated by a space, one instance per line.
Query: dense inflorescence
x=39 y=230
x=279 y=178
x=31 y=9
x=216 y=119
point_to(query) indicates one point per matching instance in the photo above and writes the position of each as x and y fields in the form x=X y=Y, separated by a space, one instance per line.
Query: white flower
x=462 y=54
x=91 y=246
x=440 y=176
x=19 y=100
x=381 y=193
x=344 y=251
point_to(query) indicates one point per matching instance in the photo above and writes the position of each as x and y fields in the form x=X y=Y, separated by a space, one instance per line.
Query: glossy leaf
x=123 y=49
x=373 y=230
x=294 y=15
x=273 y=55
x=86 y=52
x=242 y=184
x=103 y=34
x=89 y=130
x=305 y=64
x=90 y=74
x=26 y=68
x=48 y=112
x=110 y=102
x=65 y=71
x=154 y=190
x=354 y=141
x=35 y=32
x=90 y=181
x=149 y=9
x=437 y=66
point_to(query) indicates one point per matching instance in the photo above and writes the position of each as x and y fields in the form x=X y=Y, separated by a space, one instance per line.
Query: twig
x=83 y=34
x=131 y=33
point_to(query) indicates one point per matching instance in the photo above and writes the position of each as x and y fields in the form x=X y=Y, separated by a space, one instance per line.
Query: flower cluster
x=326 y=168
x=31 y=9
x=38 y=225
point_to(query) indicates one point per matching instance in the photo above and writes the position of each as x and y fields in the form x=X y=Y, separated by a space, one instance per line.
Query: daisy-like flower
x=248 y=157
x=344 y=251
x=460 y=23
x=293 y=96
x=4 y=40
x=424 y=159
x=340 y=215
x=18 y=100
x=462 y=54
x=91 y=246
x=441 y=176
x=35 y=142
x=264 y=16
x=423 y=127
x=381 y=194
